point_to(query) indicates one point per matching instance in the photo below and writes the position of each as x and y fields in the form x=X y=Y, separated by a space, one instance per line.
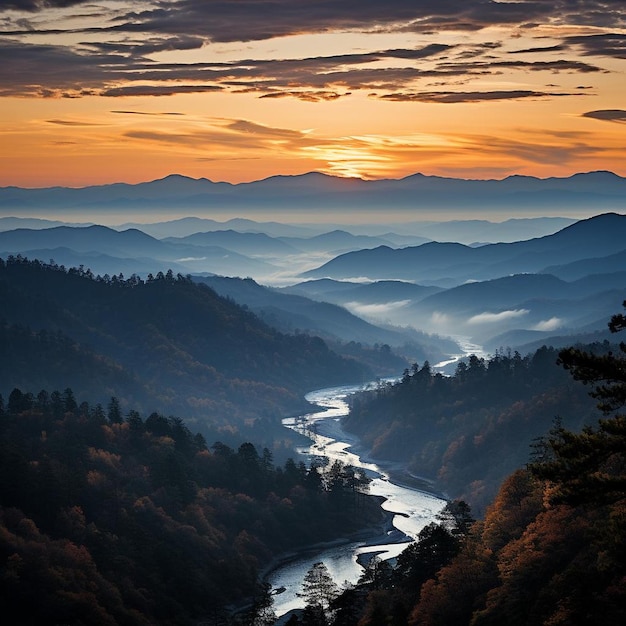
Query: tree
x=590 y=467
x=318 y=588
x=114 y=411
x=261 y=612
x=18 y=402
x=69 y=401
x=457 y=517
x=377 y=573
x=435 y=547
x=607 y=372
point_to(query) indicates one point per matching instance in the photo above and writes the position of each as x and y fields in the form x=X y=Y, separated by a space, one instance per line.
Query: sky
x=96 y=92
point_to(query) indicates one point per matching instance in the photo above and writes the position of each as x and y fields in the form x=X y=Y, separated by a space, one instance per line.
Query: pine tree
x=590 y=467
x=319 y=589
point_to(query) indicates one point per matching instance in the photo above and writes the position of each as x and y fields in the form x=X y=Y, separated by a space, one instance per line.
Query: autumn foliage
x=108 y=518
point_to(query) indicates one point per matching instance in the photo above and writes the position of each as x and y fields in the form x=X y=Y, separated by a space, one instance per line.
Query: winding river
x=412 y=508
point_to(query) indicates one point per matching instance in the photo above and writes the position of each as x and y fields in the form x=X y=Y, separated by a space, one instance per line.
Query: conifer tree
x=319 y=589
x=590 y=467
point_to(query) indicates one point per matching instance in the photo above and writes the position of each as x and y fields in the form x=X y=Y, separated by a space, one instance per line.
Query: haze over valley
x=495 y=284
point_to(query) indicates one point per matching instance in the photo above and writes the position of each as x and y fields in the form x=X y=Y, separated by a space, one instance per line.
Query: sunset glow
x=116 y=91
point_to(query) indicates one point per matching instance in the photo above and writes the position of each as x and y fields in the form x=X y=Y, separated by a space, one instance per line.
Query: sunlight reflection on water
x=414 y=509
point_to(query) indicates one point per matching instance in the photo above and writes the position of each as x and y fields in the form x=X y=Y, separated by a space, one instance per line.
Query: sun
x=351 y=158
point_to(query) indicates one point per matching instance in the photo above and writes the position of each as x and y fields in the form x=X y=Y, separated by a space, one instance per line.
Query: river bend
x=412 y=508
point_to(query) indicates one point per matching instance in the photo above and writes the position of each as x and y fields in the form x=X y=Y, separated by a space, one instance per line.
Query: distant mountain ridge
x=601 y=190
x=65 y=244
x=594 y=237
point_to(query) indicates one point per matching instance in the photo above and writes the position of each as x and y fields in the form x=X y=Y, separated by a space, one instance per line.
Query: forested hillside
x=467 y=432
x=111 y=518
x=550 y=550
x=161 y=342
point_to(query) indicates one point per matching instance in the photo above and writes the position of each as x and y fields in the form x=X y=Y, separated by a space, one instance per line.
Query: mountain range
x=505 y=294
x=296 y=313
x=595 y=237
x=604 y=191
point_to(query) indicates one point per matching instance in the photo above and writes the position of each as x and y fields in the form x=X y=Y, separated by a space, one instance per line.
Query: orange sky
x=117 y=91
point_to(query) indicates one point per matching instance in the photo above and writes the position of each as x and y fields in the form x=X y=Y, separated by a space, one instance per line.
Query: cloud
x=603 y=45
x=54 y=70
x=608 y=115
x=148 y=113
x=455 y=97
x=49 y=70
x=502 y=316
x=71 y=123
x=122 y=63
x=440 y=319
x=157 y=90
x=541 y=147
x=252 y=128
x=39 y=5
x=379 y=310
x=254 y=20
x=540 y=49
x=549 y=325
x=249 y=20
x=305 y=95
x=225 y=135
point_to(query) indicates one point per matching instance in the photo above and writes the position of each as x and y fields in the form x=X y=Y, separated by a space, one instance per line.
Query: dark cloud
x=70 y=123
x=304 y=95
x=115 y=70
x=39 y=5
x=561 y=65
x=121 y=65
x=147 y=113
x=140 y=49
x=47 y=70
x=607 y=44
x=157 y=90
x=607 y=115
x=249 y=20
x=540 y=50
x=453 y=97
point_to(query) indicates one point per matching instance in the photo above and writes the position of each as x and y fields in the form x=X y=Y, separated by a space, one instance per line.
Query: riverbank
x=395 y=472
x=407 y=503
x=371 y=536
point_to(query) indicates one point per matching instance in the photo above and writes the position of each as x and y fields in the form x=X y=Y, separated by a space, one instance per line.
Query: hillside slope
x=187 y=349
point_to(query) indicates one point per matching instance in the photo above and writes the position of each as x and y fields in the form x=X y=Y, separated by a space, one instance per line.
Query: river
x=412 y=508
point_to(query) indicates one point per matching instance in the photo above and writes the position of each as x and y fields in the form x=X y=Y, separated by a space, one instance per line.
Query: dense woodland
x=471 y=430
x=112 y=514
x=107 y=518
x=550 y=550
x=163 y=342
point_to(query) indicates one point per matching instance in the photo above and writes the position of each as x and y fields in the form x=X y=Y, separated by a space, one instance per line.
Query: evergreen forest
x=467 y=432
x=108 y=518
x=163 y=341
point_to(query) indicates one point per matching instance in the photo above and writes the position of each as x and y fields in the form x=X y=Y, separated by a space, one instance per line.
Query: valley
x=435 y=347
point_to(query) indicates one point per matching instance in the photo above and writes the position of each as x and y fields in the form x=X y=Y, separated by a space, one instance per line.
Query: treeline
x=471 y=430
x=165 y=341
x=109 y=517
x=550 y=550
